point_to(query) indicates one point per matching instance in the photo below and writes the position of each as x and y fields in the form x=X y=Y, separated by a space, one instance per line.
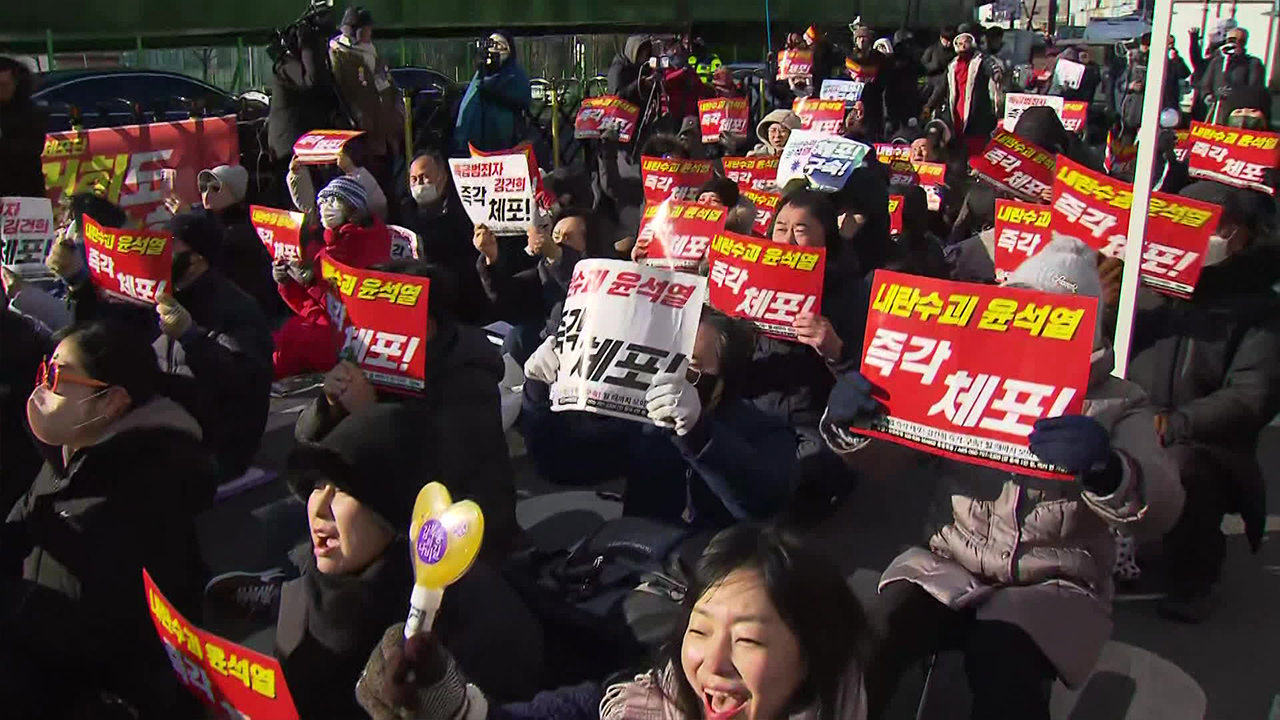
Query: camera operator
x=1230 y=69
x=677 y=91
x=370 y=93
x=491 y=115
x=303 y=96
x=630 y=75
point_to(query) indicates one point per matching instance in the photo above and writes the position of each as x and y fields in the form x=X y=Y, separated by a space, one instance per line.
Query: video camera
x=316 y=24
x=668 y=53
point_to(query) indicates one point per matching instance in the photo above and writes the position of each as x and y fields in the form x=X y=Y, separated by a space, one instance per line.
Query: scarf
x=343 y=612
x=649 y=697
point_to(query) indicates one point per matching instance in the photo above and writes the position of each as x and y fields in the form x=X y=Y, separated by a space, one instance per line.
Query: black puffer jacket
x=83 y=533
x=1212 y=364
x=22 y=128
x=462 y=369
x=19 y=460
x=245 y=259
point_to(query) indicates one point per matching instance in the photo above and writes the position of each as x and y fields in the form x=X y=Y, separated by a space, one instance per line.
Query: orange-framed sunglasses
x=51 y=375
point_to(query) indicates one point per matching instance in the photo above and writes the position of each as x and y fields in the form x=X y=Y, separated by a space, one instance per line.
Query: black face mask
x=181 y=264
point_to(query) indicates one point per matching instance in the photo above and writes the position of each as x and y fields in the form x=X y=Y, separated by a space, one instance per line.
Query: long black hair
x=810 y=596
x=117 y=353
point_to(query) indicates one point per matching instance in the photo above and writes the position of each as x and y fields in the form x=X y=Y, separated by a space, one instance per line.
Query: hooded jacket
x=978 y=109
x=491 y=114
x=463 y=370
x=624 y=71
x=22 y=128
x=370 y=93
x=779 y=116
x=1038 y=553
x=84 y=532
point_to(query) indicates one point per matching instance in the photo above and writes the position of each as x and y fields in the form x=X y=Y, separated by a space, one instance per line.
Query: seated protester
x=359 y=484
x=308 y=342
x=462 y=374
x=1018 y=571
x=857 y=125
x=919 y=252
x=932 y=145
x=712 y=459
x=1211 y=368
x=124 y=477
x=719 y=191
x=773 y=131
x=863 y=204
x=527 y=297
x=434 y=211
x=769 y=629
x=24 y=350
x=302 y=189
x=245 y=260
x=214 y=347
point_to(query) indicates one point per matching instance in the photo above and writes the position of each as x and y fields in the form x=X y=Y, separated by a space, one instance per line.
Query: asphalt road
x=1224 y=669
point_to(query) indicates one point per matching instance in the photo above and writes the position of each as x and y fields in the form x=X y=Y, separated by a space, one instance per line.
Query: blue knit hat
x=348 y=190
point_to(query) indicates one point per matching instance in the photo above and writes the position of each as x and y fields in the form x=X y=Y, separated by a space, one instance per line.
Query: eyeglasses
x=51 y=375
x=207 y=186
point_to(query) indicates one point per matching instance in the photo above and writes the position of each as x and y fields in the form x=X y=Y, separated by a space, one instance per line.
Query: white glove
x=175 y=320
x=673 y=402
x=544 y=363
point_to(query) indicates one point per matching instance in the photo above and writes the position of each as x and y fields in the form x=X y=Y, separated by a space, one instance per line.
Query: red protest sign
x=322 y=147
x=766 y=207
x=231 y=678
x=597 y=115
x=966 y=369
x=1075 y=114
x=1182 y=147
x=722 y=118
x=766 y=282
x=895 y=214
x=280 y=231
x=1096 y=208
x=928 y=175
x=384 y=320
x=1234 y=156
x=678 y=233
x=1022 y=230
x=1013 y=164
x=823 y=116
x=674 y=179
x=752 y=173
x=795 y=64
x=888 y=152
x=132 y=265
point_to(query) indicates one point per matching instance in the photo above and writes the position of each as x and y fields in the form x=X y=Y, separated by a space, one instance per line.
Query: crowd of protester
x=139 y=414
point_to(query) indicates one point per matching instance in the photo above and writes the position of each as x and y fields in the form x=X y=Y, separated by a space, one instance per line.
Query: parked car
x=435 y=99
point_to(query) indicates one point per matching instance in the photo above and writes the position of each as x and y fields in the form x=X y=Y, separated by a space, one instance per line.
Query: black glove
x=851 y=401
x=1080 y=445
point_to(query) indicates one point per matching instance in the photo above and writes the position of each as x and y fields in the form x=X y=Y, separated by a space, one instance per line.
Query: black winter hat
x=381 y=456
x=1247 y=208
x=724 y=188
x=1249 y=96
x=201 y=233
x=1040 y=125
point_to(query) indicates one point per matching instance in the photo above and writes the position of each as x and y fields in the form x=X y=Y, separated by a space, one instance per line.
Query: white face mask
x=332 y=216
x=1217 y=251
x=425 y=193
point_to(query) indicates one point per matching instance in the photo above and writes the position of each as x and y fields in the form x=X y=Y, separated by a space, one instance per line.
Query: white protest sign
x=1017 y=103
x=496 y=191
x=404 y=243
x=846 y=90
x=623 y=323
x=1068 y=73
x=26 y=233
x=795 y=156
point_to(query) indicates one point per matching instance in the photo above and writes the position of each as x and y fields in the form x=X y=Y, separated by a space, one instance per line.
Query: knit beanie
x=1065 y=266
x=1255 y=97
x=350 y=191
x=1041 y=126
x=201 y=233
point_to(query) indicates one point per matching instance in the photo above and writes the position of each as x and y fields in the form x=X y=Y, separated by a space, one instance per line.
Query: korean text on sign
x=1022 y=230
x=26 y=233
x=795 y=156
x=895 y=214
x=322 y=147
x=723 y=118
x=766 y=282
x=674 y=179
x=887 y=152
x=821 y=116
x=223 y=675
x=832 y=161
x=1243 y=158
x=1010 y=163
x=1017 y=103
x=127 y=166
x=931 y=176
x=967 y=369
x=497 y=191
x=279 y=230
x=383 y=317
x=847 y=91
x=679 y=233
x=623 y=323
x=766 y=204
x=599 y=115
x=132 y=265
x=752 y=173
x=795 y=64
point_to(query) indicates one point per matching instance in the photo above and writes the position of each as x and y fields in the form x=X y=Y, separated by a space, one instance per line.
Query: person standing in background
x=370 y=93
x=22 y=127
x=1230 y=69
x=491 y=114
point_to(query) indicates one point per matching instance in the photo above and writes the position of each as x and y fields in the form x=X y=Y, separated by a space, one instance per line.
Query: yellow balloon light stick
x=445 y=538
